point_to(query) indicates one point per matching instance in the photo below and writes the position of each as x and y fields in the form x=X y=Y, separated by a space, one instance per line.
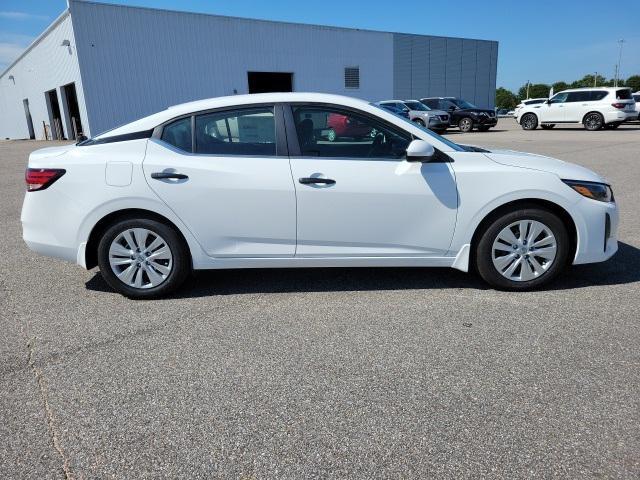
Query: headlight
x=593 y=190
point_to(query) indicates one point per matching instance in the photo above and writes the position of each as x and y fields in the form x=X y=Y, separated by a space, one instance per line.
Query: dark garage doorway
x=74 y=125
x=264 y=82
x=27 y=113
x=55 y=119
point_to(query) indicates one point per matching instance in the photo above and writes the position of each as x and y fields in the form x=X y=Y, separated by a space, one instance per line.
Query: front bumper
x=437 y=123
x=483 y=121
x=597 y=231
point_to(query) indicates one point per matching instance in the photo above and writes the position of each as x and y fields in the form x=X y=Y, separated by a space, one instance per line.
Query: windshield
x=417 y=106
x=449 y=143
x=462 y=103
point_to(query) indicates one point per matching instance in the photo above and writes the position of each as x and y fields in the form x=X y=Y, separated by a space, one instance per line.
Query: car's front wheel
x=522 y=249
x=465 y=124
x=143 y=258
x=420 y=122
x=529 y=121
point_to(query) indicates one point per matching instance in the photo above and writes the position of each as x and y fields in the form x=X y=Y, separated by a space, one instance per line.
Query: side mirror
x=420 y=151
x=452 y=108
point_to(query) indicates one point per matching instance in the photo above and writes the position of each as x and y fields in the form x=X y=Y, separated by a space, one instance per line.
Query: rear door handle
x=310 y=180
x=163 y=175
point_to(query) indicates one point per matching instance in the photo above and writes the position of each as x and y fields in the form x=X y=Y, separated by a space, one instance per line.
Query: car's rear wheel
x=593 y=121
x=522 y=249
x=547 y=126
x=143 y=258
x=529 y=121
x=465 y=124
x=420 y=122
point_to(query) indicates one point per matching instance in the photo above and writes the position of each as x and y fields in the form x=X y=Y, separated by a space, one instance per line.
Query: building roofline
x=231 y=17
x=37 y=40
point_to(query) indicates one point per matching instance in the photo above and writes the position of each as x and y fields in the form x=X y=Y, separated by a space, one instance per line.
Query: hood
x=564 y=170
x=50 y=152
x=438 y=112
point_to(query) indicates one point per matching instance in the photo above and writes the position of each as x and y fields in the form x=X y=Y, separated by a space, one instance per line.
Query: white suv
x=595 y=108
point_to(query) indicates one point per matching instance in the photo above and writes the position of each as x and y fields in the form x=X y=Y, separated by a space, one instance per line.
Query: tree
x=634 y=83
x=505 y=99
x=537 y=90
x=588 y=81
x=560 y=86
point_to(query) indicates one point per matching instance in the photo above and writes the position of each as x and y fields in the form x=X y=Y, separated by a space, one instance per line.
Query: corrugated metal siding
x=402 y=66
x=439 y=66
x=46 y=66
x=137 y=61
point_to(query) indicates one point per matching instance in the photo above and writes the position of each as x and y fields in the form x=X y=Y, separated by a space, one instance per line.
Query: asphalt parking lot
x=327 y=373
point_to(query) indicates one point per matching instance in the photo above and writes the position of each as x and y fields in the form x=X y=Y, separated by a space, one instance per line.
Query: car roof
x=174 y=111
x=583 y=89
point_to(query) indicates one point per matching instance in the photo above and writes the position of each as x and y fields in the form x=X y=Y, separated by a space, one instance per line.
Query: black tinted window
x=624 y=94
x=579 y=97
x=239 y=132
x=332 y=132
x=430 y=103
x=636 y=98
x=598 y=95
x=178 y=134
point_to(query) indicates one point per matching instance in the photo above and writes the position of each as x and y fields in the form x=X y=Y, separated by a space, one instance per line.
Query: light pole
x=620 y=42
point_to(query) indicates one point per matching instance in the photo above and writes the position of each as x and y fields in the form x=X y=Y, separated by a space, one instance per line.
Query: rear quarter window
x=598 y=95
x=624 y=94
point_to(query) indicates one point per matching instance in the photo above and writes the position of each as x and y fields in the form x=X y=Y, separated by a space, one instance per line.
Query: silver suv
x=436 y=120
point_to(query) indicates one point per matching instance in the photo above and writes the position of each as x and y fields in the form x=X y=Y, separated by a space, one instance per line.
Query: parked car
x=511 y=113
x=403 y=112
x=636 y=97
x=435 y=120
x=595 y=108
x=343 y=126
x=463 y=114
x=177 y=191
x=527 y=102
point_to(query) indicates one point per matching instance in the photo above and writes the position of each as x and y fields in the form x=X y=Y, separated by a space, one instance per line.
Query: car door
x=227 y=177
x=359 y=197
x=553 y=110
x=577 y=105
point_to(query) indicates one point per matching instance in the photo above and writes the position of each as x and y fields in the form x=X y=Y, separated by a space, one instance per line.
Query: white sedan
x=253 y=182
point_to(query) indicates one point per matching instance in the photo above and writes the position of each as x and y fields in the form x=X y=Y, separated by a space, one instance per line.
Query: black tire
x=529 y=121
x=483 y=128
x=547 y=126
x=593 y=121
x=420 y=122
x=484 y=254
x=465 y=124
x=180 y=261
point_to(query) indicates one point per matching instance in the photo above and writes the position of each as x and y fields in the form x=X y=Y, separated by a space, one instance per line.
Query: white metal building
x=100 y=65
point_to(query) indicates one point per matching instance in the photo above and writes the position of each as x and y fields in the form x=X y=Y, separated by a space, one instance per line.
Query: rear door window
x=250 y=131
x=598 y=95
x=178 y=134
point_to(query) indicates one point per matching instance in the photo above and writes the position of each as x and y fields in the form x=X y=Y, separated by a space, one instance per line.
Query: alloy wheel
x=140 y=258
x=593 y=121
x=524 y=250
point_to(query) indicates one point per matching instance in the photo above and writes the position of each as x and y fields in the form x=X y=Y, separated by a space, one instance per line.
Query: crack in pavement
x=51 y=422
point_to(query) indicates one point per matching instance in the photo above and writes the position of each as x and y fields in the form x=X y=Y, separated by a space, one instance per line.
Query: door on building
x=74 y=125
x=27 y=112
x=265 y=82
x=55 y=118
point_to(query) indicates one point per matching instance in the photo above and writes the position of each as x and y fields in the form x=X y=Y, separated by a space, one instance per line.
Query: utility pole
x=620 y=42
x=528 y=83
x=595 y=79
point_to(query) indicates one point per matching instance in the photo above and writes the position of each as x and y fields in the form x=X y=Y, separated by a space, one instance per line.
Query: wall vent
x=352 y=77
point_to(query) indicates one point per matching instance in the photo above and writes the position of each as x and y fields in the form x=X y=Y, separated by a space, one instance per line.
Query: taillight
x=41 y=178
x=619 y=105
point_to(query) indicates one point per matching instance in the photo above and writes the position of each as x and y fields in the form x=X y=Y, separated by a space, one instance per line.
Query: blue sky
x=540 y=41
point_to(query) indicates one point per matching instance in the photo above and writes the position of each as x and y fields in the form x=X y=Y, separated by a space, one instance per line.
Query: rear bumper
x=620 y=116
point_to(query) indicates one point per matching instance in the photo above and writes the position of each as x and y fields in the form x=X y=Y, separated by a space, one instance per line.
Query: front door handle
x=310 y=180
x=164 y=175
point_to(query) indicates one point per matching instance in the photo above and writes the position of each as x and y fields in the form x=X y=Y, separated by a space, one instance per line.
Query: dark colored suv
x=464 y=115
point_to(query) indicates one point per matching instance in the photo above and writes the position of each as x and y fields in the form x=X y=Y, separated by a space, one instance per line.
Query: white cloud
x=11 y=46
x=22 y=16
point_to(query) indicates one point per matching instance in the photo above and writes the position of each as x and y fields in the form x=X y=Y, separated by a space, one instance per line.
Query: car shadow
x=623 y=268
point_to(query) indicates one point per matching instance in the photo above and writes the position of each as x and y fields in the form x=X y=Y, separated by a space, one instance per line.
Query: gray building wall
x=136 y=61
x=426 y=66
x=128 y=62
